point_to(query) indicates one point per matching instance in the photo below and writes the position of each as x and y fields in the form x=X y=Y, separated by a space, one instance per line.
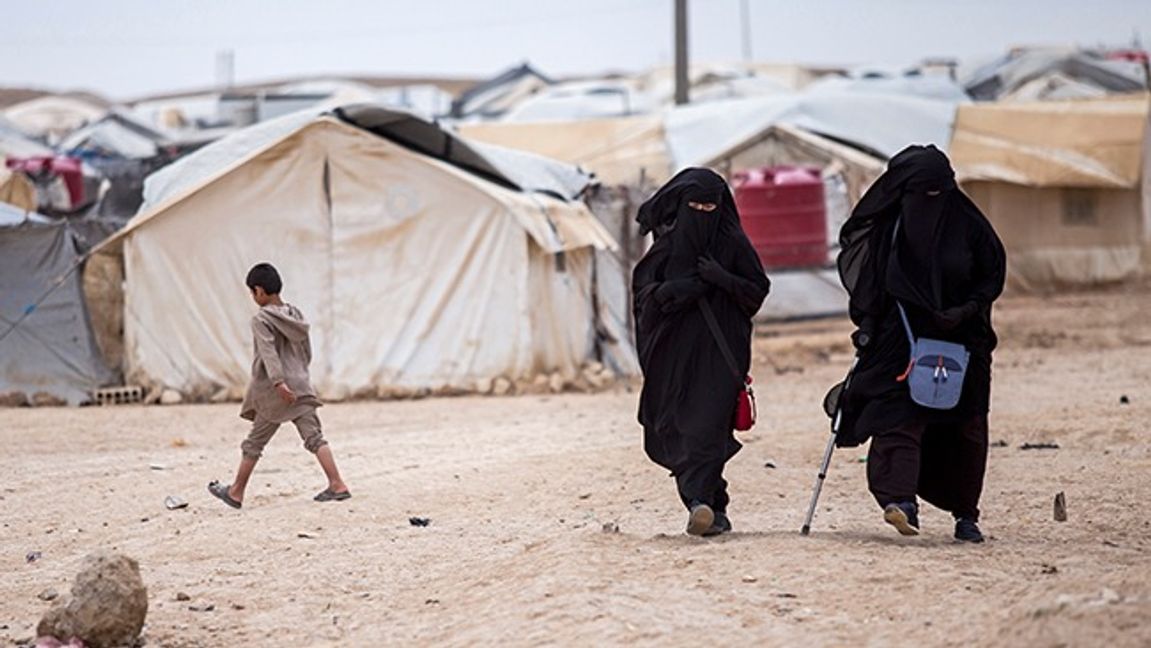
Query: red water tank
x=784 y=213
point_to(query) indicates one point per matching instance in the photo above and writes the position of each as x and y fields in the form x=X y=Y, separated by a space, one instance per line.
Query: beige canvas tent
x=418 y=271
x=1066 y=183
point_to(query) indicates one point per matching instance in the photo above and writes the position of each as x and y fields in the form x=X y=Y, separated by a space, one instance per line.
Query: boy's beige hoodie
x=282 y=353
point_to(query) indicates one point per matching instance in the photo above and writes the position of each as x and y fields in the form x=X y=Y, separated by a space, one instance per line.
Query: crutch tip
x=805 y=530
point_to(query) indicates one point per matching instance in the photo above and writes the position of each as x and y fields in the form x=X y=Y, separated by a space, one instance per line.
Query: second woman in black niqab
x=700 y=253
x=917 y=239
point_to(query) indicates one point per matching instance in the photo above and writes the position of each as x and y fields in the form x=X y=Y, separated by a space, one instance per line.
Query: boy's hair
x=265 y=276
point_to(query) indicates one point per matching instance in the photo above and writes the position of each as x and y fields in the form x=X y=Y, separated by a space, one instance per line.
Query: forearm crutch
x=834 y=396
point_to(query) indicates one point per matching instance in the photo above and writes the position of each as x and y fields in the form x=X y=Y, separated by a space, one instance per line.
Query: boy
x=280 y=390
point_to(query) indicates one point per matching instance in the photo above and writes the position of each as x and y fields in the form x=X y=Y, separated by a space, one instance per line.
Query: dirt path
x=518 y=490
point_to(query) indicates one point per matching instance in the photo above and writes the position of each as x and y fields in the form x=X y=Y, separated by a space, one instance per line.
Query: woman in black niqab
x=700 y=253
x=916 y=239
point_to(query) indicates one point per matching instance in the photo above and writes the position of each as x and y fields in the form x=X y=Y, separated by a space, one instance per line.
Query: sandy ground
x=519 y=490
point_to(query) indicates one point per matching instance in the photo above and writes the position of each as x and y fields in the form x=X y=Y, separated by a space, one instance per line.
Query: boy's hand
x=285 y=392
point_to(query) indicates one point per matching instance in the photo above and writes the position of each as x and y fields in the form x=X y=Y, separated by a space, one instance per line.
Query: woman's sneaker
x=966 y=530
x=700 y=519
x=904 y=516
x=720 y=526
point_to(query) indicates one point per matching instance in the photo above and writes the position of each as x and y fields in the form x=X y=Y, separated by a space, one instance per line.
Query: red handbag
x=743 y=417
x=745 y=407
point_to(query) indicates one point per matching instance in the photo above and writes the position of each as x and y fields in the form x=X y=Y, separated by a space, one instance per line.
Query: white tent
x=422 y=261
x=54 y=116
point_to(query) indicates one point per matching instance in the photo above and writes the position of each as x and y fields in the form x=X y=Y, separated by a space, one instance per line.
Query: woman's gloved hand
x=678 y=294
x=712 y=272
x=952 y=317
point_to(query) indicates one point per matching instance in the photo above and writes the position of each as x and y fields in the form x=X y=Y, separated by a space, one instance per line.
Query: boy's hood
x=286 y=319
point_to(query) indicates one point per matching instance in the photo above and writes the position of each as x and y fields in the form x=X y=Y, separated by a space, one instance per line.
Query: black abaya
x=946 y=267
x=689 y=392
x=917 y=240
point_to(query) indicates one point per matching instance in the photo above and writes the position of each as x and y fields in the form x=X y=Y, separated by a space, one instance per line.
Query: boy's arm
x=266 y=350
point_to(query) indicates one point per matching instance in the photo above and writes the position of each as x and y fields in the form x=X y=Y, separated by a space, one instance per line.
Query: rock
x=173 y=502
x=32 y=556
x=153 y=395
x=181 y=596
x=611 y=527
x=202 y=607
x=484 y=386
x=107 y=605
x=594 y=379
x=47 y=595
x=14 y=399
x=1123 y=400
x=419 y=521
x=749 y=579
x=171 y=397
x=502 y=387
x=1060 y=512
x=44 y=399
x=556 y=382
x=1042 y=445
x=769 y=464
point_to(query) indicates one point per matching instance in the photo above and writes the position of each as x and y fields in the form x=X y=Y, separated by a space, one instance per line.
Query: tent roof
x=1008 y=74
x=118 y=132
x=16 y=143
x=1082 y=143
x=617 y=150
x=54 y=114
x=507 y=170
x=875 y=122
x=510 y=169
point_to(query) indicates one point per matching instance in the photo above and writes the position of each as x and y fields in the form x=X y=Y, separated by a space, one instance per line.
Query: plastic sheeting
x=414 y=273
x=46 y=342
x=876 y=122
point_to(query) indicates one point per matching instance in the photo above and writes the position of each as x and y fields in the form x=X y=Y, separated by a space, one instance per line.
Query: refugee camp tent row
x=423 y=261
x=1066 y=183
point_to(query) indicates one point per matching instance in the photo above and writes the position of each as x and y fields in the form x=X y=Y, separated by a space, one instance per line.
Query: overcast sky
x=125 y=48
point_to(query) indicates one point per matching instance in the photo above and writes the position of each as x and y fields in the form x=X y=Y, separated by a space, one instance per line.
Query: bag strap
x=906 y=324
x=712 y=324
x=899 y=304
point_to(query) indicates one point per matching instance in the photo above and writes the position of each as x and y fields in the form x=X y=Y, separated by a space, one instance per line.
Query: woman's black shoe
x=967 y=530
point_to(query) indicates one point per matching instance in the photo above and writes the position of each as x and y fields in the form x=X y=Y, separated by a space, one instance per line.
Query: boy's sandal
x=221 y=492
x=328 y=495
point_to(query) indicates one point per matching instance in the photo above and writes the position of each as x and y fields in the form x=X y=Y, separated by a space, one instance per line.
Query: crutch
x=834 y=396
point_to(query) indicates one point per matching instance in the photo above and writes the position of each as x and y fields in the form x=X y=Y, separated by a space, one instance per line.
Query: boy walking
x=280 y=390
